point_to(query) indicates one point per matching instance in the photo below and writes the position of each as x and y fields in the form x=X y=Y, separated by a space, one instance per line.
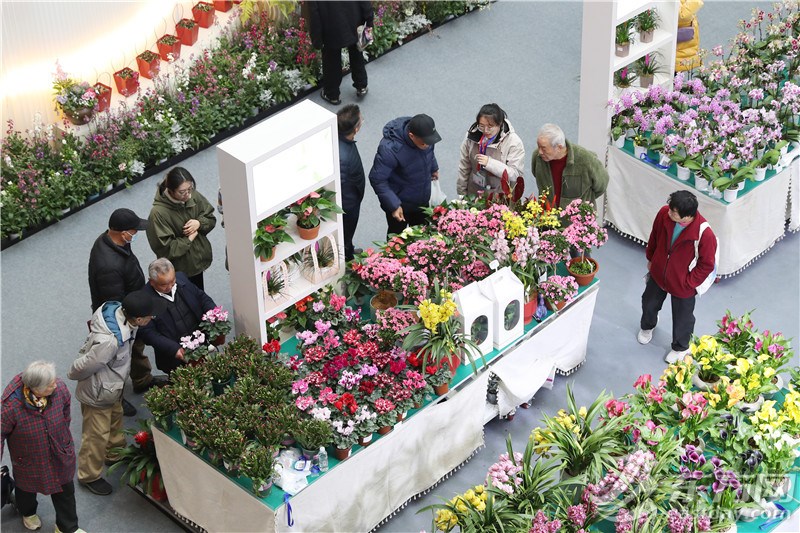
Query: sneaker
x=157 y=381
x=361 y=93
x=128 y=409
x=32 y=522
x=645 y=336
x=674 y=356
x=99 y=486
x=334 y=101
x=79 y=530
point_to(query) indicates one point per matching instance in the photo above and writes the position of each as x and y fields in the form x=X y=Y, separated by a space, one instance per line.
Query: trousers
x=332 y=69
x=63 y=502
x=102 y=431
x=682 y=314
x=414 y=217
x=141 y=369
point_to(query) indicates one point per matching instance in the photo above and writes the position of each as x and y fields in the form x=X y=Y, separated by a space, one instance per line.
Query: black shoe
x=362 y=92
x=99 y=486
x=128 y=408
x=157 y=381
x=334 y=101
x=357 y=251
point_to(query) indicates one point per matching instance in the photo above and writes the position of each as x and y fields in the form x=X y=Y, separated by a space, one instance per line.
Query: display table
x=745 y=228
x=360 y=493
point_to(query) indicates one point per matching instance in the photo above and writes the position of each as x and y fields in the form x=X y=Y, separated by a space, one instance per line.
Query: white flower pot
x=713 y=192
x=702 y=385
x=663 y=160
x=619 y=142
x=700 y=183
x=780 y=489
x=638 y=151
x=683 y=173
x=761 y=173
x=729 y=195
x=778 y=387
x=752 y=407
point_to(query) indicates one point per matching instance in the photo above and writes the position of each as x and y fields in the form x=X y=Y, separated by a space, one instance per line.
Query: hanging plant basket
x=80 y=116
x=127 y=81
x=187 y=31
x=169 y=47
x=203 y=14
x=149 y=64
x=103 y=96
x=223 y=5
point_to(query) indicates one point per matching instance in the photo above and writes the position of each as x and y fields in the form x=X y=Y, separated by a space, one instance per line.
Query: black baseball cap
x=141 y=303
x=424 y=127
x=125 y=219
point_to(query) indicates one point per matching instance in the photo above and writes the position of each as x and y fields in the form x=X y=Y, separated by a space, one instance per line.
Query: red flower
x=273 y=346
x=431 y=369
x=270 y=228
x=142 y=438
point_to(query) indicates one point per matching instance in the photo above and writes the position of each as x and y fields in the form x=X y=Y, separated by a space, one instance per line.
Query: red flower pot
x=169 y=52
x=203 y=18
x=127 y=81
x=148 y=69
x=103 y=96
x=223 y=5
x=188 y=36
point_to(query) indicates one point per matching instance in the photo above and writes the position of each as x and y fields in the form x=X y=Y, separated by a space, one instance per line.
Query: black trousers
x=332 y=69
x=349 y=223
x=682 y=314
x=63 y=502
x=414 y=217
x=197 y=279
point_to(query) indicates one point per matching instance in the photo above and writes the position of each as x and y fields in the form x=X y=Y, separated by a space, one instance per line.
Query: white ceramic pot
x=638 y=151
x=761 y=173
x=713 y=192
x=729 y=195
x=779 y=489
x=619 y=142
x=700 y=183
x=778 y=387
x=683 y=173
x=700 y=384
x=663 y=160
x=752 y=407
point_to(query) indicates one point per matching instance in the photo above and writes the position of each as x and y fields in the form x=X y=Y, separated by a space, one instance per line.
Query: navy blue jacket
x=163 y=333
x=352 y=172
x=401 y=173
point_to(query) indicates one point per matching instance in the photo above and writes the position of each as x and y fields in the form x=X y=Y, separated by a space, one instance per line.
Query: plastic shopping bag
x=437 y=195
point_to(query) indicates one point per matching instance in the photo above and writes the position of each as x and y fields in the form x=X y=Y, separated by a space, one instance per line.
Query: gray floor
x=522 y=55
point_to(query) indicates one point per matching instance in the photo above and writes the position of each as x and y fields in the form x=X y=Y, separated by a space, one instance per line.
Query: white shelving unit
x=598 y=61
x=262 y=170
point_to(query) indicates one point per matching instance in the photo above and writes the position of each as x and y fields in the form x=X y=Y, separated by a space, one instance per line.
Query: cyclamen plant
x=214 y=323
x=194 y=346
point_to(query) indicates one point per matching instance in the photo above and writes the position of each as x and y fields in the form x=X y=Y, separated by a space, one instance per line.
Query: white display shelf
x=298 y=288
x=627 y=9
x=287 y=249
x=664 y=80
x=293 y=196
x=639 y=49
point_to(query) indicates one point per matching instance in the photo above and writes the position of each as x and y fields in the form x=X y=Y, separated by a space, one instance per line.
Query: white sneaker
x=32 y=522
x=674 y=356
x=645 y=336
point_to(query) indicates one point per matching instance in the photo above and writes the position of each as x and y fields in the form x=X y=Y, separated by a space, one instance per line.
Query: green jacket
x=165 y=232
x=584 y=177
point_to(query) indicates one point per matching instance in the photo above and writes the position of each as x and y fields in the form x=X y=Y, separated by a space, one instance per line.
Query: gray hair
x=553 y=134
x=160 y=266
x=39 y=375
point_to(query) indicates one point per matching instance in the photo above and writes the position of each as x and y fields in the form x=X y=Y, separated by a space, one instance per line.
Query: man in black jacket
x=333 y=27
x=186 y=305
x=352 y=173
x=114 y=272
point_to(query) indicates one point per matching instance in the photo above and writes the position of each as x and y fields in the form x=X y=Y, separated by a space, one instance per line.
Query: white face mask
x=132 y=236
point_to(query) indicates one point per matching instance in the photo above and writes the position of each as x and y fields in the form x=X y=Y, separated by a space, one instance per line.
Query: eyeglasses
x=184 y=192
x=484 y=128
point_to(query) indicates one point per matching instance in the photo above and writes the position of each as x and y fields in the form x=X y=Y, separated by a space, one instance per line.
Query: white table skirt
x=745 y=228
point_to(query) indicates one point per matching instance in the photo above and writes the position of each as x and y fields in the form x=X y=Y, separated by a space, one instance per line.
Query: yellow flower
x=769 y=372
x=735 y=393
x=763 y=358
x=479 y=489
x=480 y=506
x=754 y=382
x=469 y=494
x=713 y=398
x=445 y=520
x=582 y=412
x=461 y=507
x=742 y=366
x=514 y=225
x=791 y=406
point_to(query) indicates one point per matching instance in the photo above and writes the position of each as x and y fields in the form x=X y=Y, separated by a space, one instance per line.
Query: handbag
x=316 y=273
x=364 y=34
x=437 y=194
x=685 y=34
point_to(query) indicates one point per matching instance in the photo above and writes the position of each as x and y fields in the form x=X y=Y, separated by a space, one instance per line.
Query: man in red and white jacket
x=670 y=253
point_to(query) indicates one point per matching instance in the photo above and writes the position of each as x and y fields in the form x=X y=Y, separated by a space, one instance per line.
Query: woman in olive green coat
x=179 y=222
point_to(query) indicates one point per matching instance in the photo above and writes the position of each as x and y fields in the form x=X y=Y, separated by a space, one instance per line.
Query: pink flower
x=643 y=380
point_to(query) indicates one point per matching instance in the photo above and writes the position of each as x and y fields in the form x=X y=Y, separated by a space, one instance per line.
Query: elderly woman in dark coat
x=35 y=424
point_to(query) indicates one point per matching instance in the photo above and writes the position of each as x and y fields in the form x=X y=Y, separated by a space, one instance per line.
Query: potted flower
x=584 y=233
x=711 y=361
x=312 y=434
x=187 y=31
x=730 y=183
x=162 y=404
x=220 y=371
x=269 y=234
x=366 y=424
x=312 y=209
x=258 y=463
x=386 y=418
x=320 y=260
x=647 y=67
x=76 y=100
x=558 y=291
x=694 y=421
x=127 y=81
x=223 y=5
x=623 y=38
x=194 y=347
x=275 y=286
x=646 y=23
x=344 y=437
x=169 y=47
x=148 y=64
x=140 y=462
x=230 y=443
x=750 y=375
x=214 y=323
x=103 y=93
x=438 y=376
x=624 y=78
x=203 y=14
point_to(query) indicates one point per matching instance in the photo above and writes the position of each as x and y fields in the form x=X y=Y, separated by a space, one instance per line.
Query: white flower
x=137 y=167
x=122 y=167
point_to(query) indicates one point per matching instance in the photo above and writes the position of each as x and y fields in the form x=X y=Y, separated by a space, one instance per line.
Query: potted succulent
x=162 y=404
x=258 y=463
x=312 y=209
x=76 y=100
x=312 y=434
x=203 y=14
x=646 y=23
x=269 y=234
x=140 y=462
x=148 y=64
x=220 y=371
x=230 y=443
x=623 y=38
x=169 y=47
x=187 y=31
x=215 y=324
x=127 y=81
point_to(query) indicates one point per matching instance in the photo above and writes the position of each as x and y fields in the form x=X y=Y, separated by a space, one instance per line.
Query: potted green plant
x=162 y=404
x=269 y=234
x=220 y=370
x=312 y=434
x=730 y=183
x=320 y=260
x=169 y=47
x=623 y=38
x=624 y=78
x=646 y=23
x=258 y=463
x=312 y=209
x=646 y=68
x=148 y=64
x=140 y=462
x=230 y=443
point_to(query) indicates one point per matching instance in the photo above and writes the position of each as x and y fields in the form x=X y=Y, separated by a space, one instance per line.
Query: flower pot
x=750 y=407
x=382 y=301
x=683 y=173
x=663 y=160
x=402 y=416
x=103 y=96
x=223 y=5
x=639 y=151
x=342 y=454
x=619 y=142
x=80 y=116
x=700 y=183
x=555 y=306
x=203 y=18
x=384 y=430
x=219 y=386
x=188 y=441
x=308 y=234
x=188 y=36
x=529 y=309
x=148 y=69
x=777 y=381
x=219 y=340
x=263 y=489
x=646 y=80
x=154 y=488
x=268 y=259
x=761 y=173
x=622 y=50
x=365 y=441
x=779 y=489
x=583 y=279
x=310 y=454
x=646 y=36
x=126 y=86
x=169 y=52
x=703 y=385
x=729 y=194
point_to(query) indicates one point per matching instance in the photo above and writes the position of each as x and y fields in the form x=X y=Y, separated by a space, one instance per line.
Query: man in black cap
x=102 y=366
x=403 y=169
x=114 y=272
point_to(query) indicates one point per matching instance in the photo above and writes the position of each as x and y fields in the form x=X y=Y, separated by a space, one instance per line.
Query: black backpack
x=6 y=486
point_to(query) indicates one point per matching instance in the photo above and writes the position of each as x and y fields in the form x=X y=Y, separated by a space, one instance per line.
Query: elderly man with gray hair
x=36 y=417
x=186 y=304
x=565 y=170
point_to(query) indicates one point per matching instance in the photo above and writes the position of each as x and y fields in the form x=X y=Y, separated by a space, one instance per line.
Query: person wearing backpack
x=681 y=261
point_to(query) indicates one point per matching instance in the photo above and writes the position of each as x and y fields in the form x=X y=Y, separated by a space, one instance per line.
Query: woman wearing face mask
x=179 y=222
x=490 y=148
